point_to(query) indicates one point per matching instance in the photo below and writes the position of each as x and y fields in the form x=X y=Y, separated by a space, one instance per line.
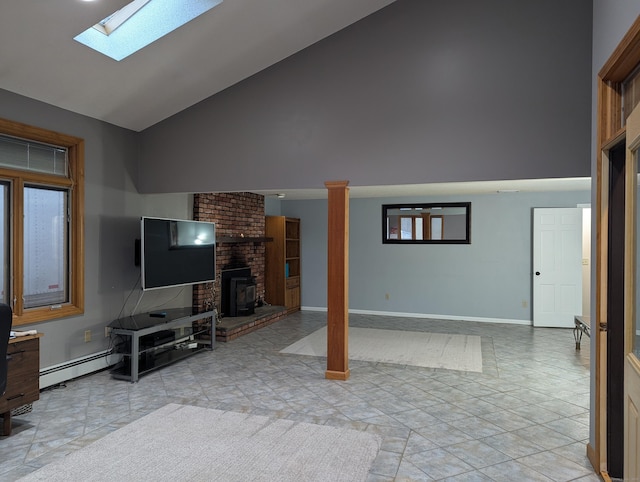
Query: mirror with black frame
x=426 y=223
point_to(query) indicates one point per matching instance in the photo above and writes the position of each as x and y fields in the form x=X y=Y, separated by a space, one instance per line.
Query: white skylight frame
x=113 y=21
x=145 y=25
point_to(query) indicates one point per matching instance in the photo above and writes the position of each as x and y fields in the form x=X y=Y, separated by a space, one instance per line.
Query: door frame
x=631 y=366
x=610 y=131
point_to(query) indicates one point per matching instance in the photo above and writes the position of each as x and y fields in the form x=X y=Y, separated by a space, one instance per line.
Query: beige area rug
x=186 y=443
x=431 y=350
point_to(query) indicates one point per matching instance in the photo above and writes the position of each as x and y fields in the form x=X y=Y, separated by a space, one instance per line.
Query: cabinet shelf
x=160 y=359
x=180 y=336
x=22 y=388
x=150 y=342
x=282 y=262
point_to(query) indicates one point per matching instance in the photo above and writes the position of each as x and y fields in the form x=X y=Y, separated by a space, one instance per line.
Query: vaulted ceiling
x=236 y=39
x=40 y=59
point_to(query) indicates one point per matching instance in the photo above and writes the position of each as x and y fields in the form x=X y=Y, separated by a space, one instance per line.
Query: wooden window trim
x=75 y=147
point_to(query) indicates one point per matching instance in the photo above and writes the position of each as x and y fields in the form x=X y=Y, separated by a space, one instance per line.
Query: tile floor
x=525 y=418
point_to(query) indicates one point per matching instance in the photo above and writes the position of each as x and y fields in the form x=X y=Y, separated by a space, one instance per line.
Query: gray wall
x=383 y=101
x=489 y=278
x=420 y=91
x=112 y=211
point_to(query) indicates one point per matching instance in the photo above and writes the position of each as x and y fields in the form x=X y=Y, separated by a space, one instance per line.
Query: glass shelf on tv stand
x=139 y=359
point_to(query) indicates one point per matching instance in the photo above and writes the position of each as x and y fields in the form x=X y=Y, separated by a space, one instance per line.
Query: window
x=139 y=24
x=46 y=263
x=443 y=223
x=630 y=94
x=41 y=218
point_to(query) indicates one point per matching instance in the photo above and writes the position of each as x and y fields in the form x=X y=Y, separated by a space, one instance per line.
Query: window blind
x=32 y=156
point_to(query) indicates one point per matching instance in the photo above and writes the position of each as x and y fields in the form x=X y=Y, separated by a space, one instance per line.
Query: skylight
x=140 y=23
x=113 y=21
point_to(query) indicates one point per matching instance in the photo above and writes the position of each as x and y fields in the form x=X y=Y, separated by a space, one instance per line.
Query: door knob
x=537 y=273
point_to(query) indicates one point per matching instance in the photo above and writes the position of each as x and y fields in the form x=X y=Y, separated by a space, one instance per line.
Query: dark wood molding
x=241 y=240
x=625 y=57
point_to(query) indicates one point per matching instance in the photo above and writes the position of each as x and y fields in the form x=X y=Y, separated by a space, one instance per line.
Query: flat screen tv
x=176 y=252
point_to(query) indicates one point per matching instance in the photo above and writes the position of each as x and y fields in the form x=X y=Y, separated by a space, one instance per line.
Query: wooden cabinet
x=282 y=263
x=23 y=377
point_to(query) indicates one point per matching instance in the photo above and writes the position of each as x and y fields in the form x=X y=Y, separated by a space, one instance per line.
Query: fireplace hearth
x=231 y=328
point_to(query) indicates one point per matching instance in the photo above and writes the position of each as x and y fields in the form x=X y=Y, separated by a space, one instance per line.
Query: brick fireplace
x=240 y=243
x=239 y=219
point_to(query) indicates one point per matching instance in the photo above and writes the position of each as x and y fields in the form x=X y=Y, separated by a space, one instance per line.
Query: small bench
x=583 y=325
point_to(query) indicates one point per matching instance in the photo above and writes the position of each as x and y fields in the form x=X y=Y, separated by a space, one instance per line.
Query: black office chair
x=6 y=317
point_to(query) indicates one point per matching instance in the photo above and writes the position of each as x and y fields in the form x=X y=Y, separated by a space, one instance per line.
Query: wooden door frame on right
x=610 y=131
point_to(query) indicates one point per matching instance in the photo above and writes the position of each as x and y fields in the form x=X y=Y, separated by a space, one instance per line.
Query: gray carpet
x=179 y=442
x=430 y=350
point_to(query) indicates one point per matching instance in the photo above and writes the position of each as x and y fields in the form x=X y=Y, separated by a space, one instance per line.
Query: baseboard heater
x=77 y=367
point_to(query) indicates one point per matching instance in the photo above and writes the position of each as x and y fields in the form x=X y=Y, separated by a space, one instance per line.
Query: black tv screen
x=176 y=252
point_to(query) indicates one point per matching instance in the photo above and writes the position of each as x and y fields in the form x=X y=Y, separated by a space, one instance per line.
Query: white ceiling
x=40 y=59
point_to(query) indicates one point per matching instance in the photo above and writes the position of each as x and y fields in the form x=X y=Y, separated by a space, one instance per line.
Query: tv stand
x=148 y=342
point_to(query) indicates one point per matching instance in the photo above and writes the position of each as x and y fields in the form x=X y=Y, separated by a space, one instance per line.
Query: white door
x=557 y=266
x=632 y=306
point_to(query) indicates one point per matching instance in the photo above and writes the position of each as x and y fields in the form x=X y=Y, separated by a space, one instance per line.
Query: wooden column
x=338 y=281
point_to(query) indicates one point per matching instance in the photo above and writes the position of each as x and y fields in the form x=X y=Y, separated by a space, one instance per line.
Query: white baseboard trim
x=77 y=367
x=425 y=315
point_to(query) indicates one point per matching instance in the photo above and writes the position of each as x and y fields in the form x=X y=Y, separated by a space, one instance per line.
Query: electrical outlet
x=386 y=296
x=87 y=336
x=107 y=331
x=524 y=303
